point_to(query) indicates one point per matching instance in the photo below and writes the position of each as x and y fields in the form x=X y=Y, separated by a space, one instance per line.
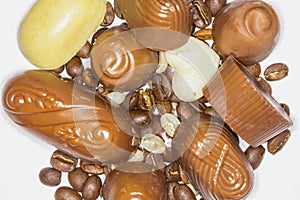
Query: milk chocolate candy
x=135 y=180
x=159 y=25
x=65 y=115
x=213 y=161
x=247 y=29
x=120 y=62
x=250 y=112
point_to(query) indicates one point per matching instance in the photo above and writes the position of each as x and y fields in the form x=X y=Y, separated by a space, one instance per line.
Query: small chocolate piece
x=255 y=155
x=249 y=111
x=246 y=29
x=50 y=176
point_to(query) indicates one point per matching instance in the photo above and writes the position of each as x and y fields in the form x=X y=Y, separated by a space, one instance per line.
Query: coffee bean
x=161 y=86
x=264 y=85
x=74 y=66
x=185 y=110
x=77 y=178
x=59 y=70
x=201 y=14
x=131 y=100
x=66 y=193
x=183 y=192
x=276 y=71
x=109 y=15
x=278 y=142
x=215 y=5
x=172 y=172
x=91 y=168
x=140 y=117
x=89 y=78
x=164 y=107
x=255 y=155
x=146 y=99
x=50 y=176
x=63 y=162
x=97 y=34
x=117 y=10
x=254 y=69
x=171 y=186
x=84 y=52
x=91 y=188
x=285 y=108
x=203 y=34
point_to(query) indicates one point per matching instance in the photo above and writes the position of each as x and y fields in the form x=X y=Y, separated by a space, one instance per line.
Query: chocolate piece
x=135 y=180
x=159 y=25
x=247 y=29
x=214 y=161
x=66 y=115
x=120 y=62
x=250 y=112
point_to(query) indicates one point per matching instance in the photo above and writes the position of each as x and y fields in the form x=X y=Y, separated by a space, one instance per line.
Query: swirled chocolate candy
x=247 y=29
x=120 y=62
x=159 y=24
x=135 y=180
x=66 y=115
x=214 y=161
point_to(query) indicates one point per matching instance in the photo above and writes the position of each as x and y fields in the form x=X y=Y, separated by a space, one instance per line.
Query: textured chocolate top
x=66 y=115
x=247 y=29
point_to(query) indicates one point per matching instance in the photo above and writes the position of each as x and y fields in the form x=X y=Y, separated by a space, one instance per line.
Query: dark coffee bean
x=276 y=71
x=254 y=70
x=117 y=10
x=183 y=192
x=66 y=193
x=171 y=186
x=91 y=168
x=146 y=99
x=172 y=172
x=140 y=117
x=185 y=110
x=109 y=15
x=161 y=86
x=74 y=66
x=278 y=142
x=131 y=101
x=59 y=70
x=285 y=108
x=201 y=14
x=89 y=78
x=84 y=52
x=91 y=188
x=264 y=85
x=164 y=107
x=215 y=5
x=77 y=178
x=63 y=162
x=50 y=176
x=97 y=34
x=255 y=155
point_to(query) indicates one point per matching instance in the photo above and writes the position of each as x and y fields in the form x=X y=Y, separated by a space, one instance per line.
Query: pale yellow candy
x=54 y=30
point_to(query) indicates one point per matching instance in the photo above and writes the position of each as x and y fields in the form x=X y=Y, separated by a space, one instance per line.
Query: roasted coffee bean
x=183 y=192
x=285 y=108
x=84 y=52
x=264 y=85
x=50 y=176
x=203 y=34
x=63 y=162
x=215 y=5
x=98 y=33
x=185 y=110
x=278 y=142
x=171 y=186
x=74 y=66
x=161 y=86
x=201 y=14
x=131 y=100
x=254 y=69
x=91 y=168
x=91 y=188
x=255 y=155
x=174 y=98
x=146 y=99
x=89 y=78
x=59 y=70
x=77 y=178
x=140 y=117
x=172 y=172
x=109 y=15
x=164 y=107
x=66 y=193
x=276 y=71
x=117 y=10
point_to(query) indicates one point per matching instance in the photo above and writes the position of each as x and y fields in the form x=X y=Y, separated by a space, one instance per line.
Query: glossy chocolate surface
x=120 y=62
x=65 y=115
x=247 y=29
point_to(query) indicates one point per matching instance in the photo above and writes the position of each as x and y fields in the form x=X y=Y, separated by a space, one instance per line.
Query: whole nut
x=77 y=178
x=91 y=188
x=255 y=155
x=278 y=142
x=63 y=162
x=50 y=176
x=276 y=71
x=66 y=193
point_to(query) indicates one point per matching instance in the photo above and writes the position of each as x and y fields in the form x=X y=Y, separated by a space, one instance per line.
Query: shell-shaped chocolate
x=66 y=115
x=247 y=29
x=120 y=62
x=135 y=180
x=214 y=161
x=170 y=21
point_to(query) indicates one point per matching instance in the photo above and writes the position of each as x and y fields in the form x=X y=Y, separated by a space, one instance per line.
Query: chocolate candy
x=214 y=161
x=120 y=62
x=247 y=29
x=135 y=180
x=159 y=25
x=250 y=112
x=68 y=116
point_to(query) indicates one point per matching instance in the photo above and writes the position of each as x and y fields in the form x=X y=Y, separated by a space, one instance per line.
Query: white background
x=22 y=156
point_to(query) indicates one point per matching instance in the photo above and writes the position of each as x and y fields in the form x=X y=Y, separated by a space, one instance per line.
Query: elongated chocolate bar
x=68 y=116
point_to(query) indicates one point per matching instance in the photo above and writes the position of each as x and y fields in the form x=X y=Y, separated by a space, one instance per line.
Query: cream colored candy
x=54 y=30
x=194 y=64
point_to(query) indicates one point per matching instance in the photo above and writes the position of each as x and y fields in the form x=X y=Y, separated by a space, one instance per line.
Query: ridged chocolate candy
x=120 y=62
x=214 y=161
x=159 y=24
x=247 y=29
x=68 y=116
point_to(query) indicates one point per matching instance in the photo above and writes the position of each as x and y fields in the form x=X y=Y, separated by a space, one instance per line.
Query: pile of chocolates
x=153 y=107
